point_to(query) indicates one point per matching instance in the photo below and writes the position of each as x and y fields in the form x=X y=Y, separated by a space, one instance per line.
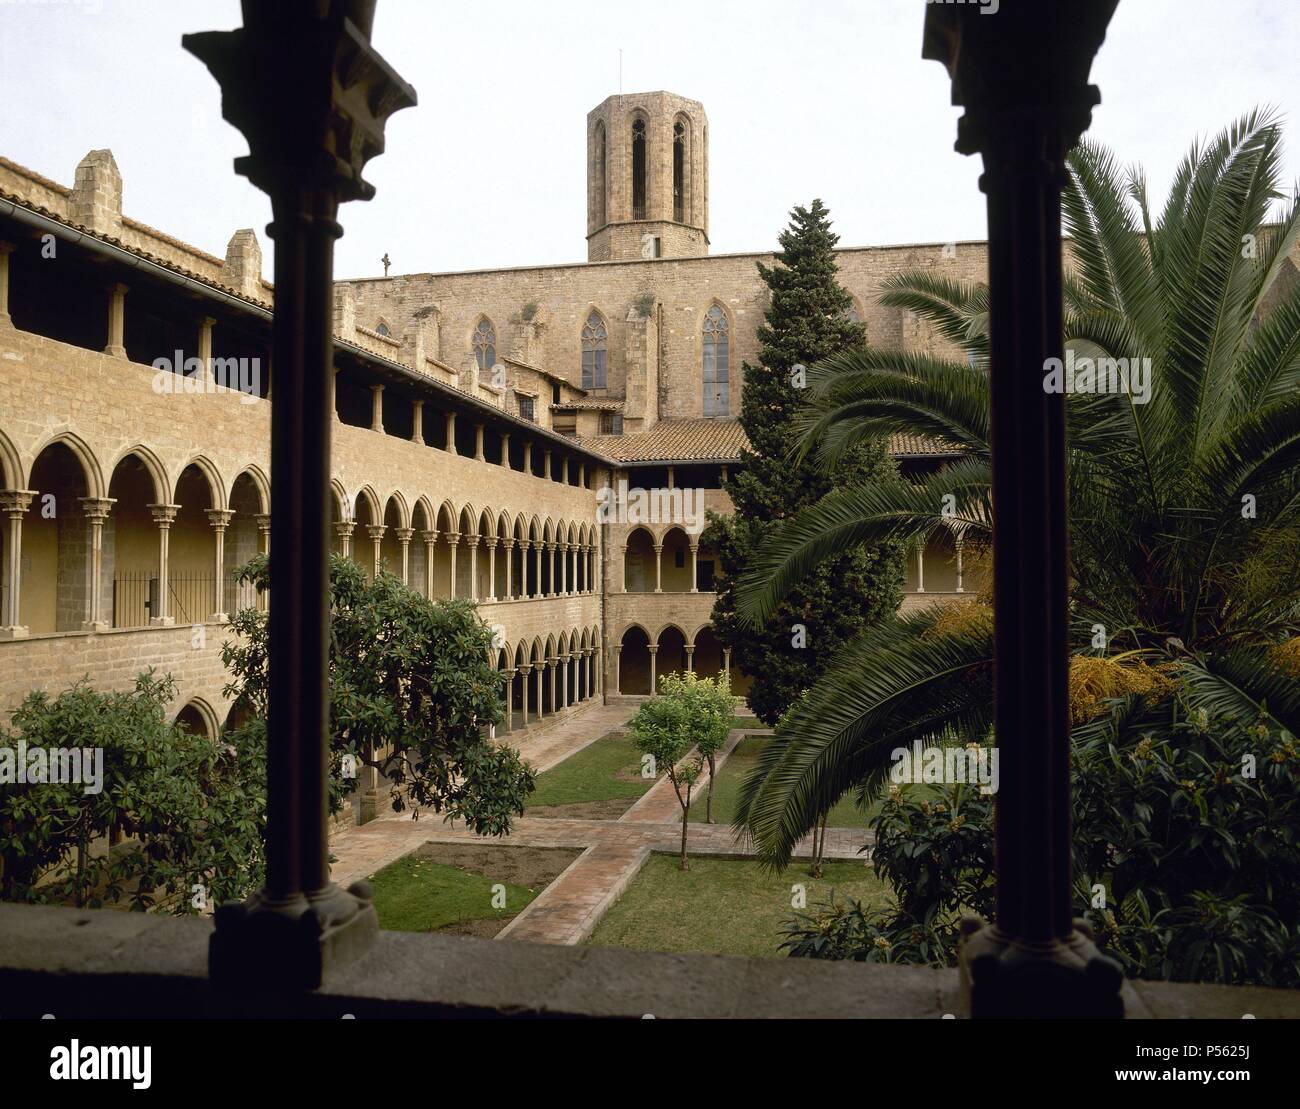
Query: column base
x=15 y=631
x=95 y=626
x=115 y=352
x=1003 y=978
x=370 y=804
x=219 y=618
x=162 y=621
x=296 y=944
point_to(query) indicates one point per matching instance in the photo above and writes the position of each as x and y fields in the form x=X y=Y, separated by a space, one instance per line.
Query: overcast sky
x=811 y=98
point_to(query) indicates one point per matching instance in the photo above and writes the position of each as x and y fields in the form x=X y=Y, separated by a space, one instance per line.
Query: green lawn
x=723 y=906
x=416 y=894
x=736 y=769
x=607 y=770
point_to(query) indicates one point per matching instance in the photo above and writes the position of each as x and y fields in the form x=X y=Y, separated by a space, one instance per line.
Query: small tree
x=195 y=809
x=411 y=678
x=681 y=729
x=713 y=709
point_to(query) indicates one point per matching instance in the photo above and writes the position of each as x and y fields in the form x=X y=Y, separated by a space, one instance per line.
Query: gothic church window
x=485 y=344
x=679 y=172
x=601 y=166
x=639 y=169
x=595 y=352
x=717 y=363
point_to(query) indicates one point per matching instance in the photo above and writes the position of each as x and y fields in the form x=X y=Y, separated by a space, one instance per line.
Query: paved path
x=615 y=850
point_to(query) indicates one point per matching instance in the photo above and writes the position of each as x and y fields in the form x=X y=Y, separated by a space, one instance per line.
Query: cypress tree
x=807 y=320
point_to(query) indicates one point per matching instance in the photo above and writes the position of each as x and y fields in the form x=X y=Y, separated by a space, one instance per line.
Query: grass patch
x=607 y=770
x=448 y=887
x=723 y=906
x=737 y=768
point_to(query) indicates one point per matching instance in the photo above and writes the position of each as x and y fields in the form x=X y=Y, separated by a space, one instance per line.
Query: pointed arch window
x=595 y=353
x=679 y=172
x=717 y=363
x=485 y=344
x=638 y=169
x=602 y=154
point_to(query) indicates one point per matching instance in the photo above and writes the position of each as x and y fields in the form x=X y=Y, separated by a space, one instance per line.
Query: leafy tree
x=193 y=810
x=1184 y=529
x=807 y=320
x=682 y=729
x=412 y=694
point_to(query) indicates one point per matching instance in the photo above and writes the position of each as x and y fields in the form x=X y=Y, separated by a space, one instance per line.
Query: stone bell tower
x=647 y=178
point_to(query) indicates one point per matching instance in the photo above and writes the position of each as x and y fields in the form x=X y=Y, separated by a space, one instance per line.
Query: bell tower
x=647 y=178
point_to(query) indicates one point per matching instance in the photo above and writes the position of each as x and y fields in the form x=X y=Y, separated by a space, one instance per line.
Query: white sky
x=824 y=98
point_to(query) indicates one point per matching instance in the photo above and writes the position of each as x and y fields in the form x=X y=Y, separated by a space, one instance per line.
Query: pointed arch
x=483 y=342
x=205 y=466
x=153 y=467
x=90 y=468
x=342 y=502
x=595 y=351
x=370 y=498
x=11 y=470
x=263 y=487
x=716 y=367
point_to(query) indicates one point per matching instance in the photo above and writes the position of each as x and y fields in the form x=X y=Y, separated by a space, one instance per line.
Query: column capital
x=472 y=540
x=14 y=502
x=429 y=536
x=344 y=529
x=653 y=648
x=491 y=542
x=453 y=538
x=97 y=508
x=164 y=515
x=509 y=544
x=404 y=535
x=220 y=518
x=377 y=531
x=263 y=521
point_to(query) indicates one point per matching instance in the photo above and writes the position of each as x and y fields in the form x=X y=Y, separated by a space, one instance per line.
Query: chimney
x=243 y=266
x=97 y=194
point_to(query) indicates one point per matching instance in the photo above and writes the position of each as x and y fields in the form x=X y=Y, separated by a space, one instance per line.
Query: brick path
x=569 y=908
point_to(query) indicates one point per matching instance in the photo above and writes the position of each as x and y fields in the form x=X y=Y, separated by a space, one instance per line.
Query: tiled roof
x=721 y=441
x=675 y=441
x=916 y=446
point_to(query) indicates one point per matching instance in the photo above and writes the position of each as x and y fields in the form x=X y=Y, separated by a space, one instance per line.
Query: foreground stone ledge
x=103 y=964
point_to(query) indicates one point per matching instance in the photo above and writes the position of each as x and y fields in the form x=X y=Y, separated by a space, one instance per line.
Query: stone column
x=540 y=704
x=551 y=548
x=473 y=541
x=311 y=97
x=1024 y=89
x=417 y=421
x=453 y=541
x=510 y=569
x=96 y=510
x=564 y=681
x=404 y=537
x=526 y=671
x=961 y=580
x=505 y=449
x=205 y=347
x=550 y=679
x=528 y=457
x=430 y=542
x=920 y=568
x=690 y=658
x=659 y=567
x=726 y=663
x=546 y=464
x=116 y=347
x=376 y=532
x=164 y=515
x=220 y=519
x=377 y=408
x=618 y=667
x=695 y=567
x=344 y=532
x=264 y=530
x=510 y=699
x=14 y=503
x=491 y=542
x=654 y=668
x=479 y=456
x=451 y=433
x=6 y=249
x=622 y=562
x=582 y=475
x=565 y=583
